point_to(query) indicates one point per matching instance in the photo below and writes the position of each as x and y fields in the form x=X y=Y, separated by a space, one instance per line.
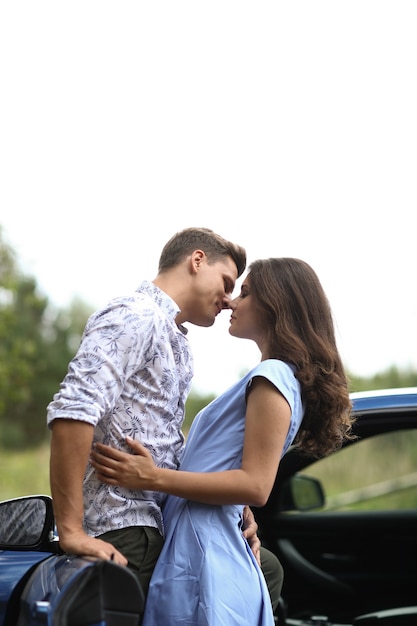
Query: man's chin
x=206 y=323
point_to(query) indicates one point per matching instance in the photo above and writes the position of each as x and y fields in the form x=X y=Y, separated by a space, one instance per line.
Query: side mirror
x=302 y=493
x=26 y=523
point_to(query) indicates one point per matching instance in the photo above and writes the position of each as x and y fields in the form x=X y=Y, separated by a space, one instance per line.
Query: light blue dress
x=206 y=574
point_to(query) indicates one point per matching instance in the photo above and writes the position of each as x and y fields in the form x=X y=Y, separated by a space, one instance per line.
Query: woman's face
x=245 y=321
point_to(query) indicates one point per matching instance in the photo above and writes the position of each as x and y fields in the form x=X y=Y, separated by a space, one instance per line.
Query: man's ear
x=197 y=257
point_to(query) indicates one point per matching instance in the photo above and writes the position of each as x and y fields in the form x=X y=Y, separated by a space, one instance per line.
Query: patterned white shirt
x=131 y=376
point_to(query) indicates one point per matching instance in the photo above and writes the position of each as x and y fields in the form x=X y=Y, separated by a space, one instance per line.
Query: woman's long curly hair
x=299 y=323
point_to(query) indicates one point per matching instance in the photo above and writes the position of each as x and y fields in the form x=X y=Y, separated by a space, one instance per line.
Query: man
x=132 y=374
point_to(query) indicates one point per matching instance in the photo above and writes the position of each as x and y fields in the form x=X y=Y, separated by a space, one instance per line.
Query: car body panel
x=73 y=590
x=14 y=568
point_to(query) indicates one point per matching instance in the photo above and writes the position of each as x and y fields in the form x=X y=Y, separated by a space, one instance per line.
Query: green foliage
x=193 y=405
x=392 y=378
x=36 y=344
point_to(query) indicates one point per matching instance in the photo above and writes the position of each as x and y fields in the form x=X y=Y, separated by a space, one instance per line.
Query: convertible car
x=344 y=528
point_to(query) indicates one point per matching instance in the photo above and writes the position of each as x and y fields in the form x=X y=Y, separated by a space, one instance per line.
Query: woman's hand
x=250 y=530
x=114 y=467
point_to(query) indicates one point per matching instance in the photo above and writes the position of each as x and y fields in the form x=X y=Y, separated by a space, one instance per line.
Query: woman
x=206 y=573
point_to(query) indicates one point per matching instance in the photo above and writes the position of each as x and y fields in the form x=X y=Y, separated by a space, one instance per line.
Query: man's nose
x=227 y=300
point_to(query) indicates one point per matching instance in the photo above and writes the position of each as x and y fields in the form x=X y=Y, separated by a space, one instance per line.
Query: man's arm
x=70 y=450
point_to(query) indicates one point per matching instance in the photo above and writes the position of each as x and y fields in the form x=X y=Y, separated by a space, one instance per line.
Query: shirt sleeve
x=110 y=350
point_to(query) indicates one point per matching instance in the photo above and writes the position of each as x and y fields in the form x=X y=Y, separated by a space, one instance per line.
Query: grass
x=370 y=464
x=24 y=473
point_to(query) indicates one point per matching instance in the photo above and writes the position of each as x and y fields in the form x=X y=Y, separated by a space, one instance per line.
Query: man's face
x=213 y=288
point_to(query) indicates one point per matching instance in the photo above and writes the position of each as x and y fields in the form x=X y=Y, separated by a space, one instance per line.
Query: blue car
x=343 y=527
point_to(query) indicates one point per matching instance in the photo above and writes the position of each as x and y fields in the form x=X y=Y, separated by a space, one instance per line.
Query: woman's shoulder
x=280 y=374
x=273 y=367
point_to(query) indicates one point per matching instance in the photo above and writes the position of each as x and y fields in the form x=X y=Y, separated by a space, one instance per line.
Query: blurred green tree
x=391 y=378
x=36 y=343
x=194 y=404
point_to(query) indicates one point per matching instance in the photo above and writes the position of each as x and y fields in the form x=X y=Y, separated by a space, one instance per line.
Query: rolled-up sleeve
x=109 y=352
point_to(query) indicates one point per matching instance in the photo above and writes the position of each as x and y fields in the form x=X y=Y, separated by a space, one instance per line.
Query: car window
x=379 y=472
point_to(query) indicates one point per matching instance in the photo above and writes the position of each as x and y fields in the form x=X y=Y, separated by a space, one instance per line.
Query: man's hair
x=215 y=247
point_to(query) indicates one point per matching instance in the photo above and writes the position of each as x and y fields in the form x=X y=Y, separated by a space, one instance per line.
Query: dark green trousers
x=274 y=575
x=141 y=545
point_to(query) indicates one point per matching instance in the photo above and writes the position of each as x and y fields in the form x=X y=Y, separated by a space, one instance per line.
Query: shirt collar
x=163 y=300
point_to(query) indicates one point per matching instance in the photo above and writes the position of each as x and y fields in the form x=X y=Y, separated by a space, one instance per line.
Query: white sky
x=289 y=127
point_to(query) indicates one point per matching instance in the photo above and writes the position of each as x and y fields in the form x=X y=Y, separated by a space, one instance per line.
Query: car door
x=358 y=552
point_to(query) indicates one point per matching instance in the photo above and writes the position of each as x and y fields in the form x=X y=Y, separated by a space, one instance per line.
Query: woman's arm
x=267 y=421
